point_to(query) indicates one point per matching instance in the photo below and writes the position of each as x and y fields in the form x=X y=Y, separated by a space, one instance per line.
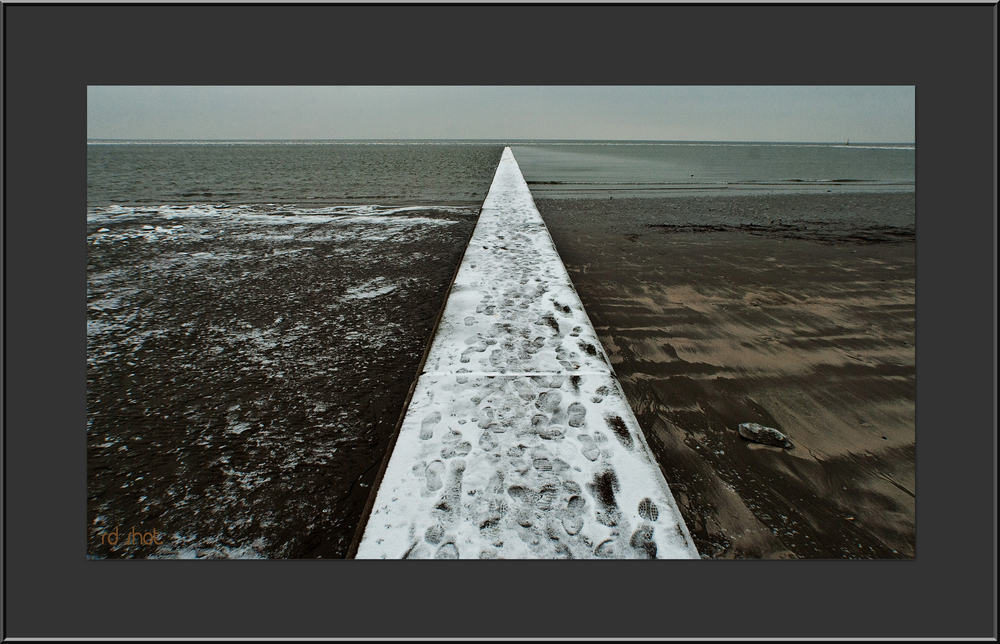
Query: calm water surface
x=305 y=174
x=585 y=169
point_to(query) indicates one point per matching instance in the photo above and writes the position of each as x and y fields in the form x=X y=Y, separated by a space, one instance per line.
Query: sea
x=643 y=169
x=256 y=311
x=317 y=173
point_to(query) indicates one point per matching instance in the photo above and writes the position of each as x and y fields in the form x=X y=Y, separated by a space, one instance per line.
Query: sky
x=655 y=113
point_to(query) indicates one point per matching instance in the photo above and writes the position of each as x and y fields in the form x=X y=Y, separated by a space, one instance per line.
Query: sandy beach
x=792 y=311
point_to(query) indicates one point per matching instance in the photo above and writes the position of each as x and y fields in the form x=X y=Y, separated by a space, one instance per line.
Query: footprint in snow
x=588 y=448
x=573 y=516
x=447 y=551
x=461 y=449
x=548 y=401
x=542 y=464
x=499 y=358
x=548 y=495
x=523 y=495
x=617 y=425
x=550 y=432
x=435 y=476
x=487 y=442
x=450 y=500
x=427 y=425
x=642 y=541
x=487 y=418
x=648 y=510
x=416 y=551
x=603 y=488
x=524 y=390
x=434 y=534
x=606 y=549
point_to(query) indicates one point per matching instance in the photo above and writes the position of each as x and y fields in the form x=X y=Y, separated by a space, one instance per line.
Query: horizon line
x=499 y=140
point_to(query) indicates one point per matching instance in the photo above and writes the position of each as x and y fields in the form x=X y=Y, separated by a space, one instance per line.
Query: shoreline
x=822 y=217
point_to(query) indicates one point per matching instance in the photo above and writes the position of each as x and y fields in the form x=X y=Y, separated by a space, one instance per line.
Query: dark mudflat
x=244 y=377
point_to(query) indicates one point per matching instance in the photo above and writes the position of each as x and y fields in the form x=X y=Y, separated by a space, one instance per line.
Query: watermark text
x=135 y=537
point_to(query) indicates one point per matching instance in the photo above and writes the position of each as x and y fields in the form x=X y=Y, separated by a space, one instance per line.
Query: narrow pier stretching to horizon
x=518 y=442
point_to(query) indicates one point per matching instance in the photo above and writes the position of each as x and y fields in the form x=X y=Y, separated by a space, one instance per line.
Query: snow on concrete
x=518 y=441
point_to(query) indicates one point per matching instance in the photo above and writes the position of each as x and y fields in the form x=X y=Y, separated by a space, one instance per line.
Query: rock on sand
x=766 y=435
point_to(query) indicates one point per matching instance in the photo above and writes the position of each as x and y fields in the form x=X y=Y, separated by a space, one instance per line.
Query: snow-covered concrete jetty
x=518 y=442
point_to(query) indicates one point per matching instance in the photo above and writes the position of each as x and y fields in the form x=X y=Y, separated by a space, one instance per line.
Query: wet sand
x=244 y=375
x=793 y=311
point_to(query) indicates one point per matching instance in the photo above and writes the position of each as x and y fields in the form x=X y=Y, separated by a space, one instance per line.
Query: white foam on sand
x=518 y=441
x=269 y=213
x=272 y=223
